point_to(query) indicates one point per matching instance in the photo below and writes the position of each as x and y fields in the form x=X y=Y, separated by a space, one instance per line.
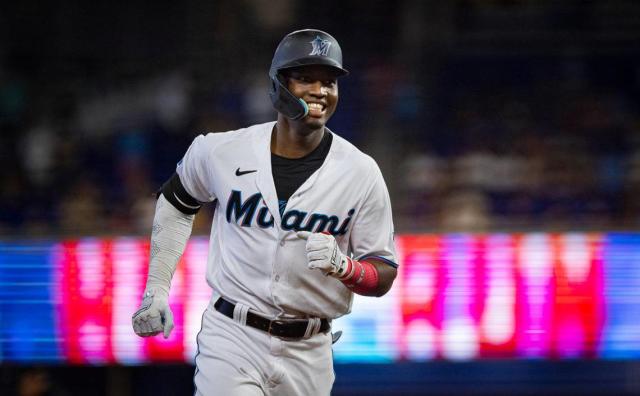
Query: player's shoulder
x=238 y=137
x=347 y=150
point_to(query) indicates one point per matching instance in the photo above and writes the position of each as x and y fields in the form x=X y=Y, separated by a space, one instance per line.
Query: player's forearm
x=169 y=236
x=386 y=276
x=369 y=277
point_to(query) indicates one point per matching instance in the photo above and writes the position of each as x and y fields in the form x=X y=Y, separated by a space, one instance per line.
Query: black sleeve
x=174 y=192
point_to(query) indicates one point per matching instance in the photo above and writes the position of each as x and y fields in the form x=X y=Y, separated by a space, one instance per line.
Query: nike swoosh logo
x=240 y=173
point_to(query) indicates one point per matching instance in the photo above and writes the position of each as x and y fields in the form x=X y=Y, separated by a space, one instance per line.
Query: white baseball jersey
x=255 y=257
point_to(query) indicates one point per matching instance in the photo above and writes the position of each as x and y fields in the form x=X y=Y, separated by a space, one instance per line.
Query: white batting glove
x=154 y=316
x=324 y=254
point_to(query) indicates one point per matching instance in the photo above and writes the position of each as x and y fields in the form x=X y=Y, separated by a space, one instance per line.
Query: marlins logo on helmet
x=320 y=47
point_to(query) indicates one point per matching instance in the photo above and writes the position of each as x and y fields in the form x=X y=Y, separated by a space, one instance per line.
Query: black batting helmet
x=301 y=48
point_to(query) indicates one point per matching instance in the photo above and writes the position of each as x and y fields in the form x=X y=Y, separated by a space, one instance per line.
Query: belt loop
x=313 y=326
x=318 y=324
x=240 y=313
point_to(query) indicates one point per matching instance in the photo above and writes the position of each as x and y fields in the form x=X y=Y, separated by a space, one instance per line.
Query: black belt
x=283 y=328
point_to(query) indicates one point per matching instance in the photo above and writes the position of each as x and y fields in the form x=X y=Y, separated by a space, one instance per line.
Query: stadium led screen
x=457 y=297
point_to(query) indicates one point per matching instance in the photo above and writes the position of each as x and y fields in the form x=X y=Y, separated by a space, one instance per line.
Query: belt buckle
x=282 y=322
x=272 y=322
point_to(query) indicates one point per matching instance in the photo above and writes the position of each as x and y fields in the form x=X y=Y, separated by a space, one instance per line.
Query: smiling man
x=302 y=221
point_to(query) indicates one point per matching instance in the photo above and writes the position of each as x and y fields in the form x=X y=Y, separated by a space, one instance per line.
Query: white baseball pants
x=235 y=359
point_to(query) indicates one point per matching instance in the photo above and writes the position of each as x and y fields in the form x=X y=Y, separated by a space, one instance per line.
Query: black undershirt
x=289 y=174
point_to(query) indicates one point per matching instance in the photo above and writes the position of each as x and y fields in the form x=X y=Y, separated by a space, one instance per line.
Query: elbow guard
x=175 y=193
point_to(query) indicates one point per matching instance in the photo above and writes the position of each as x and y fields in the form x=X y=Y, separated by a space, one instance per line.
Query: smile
x=316 y=108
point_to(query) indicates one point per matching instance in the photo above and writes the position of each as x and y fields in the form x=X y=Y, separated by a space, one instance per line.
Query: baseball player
x=302 y=221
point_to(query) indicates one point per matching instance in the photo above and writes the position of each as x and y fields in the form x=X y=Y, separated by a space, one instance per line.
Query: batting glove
x=154 y=316
x=324 y=254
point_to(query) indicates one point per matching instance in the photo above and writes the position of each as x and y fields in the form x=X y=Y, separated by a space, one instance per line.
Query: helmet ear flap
x=284 y=101
x=306 y=108
x=274 y=87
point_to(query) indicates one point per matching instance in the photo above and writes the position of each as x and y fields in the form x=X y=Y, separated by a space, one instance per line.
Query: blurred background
x=487 y=117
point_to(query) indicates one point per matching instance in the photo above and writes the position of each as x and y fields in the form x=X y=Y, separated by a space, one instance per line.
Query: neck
x=292 y=139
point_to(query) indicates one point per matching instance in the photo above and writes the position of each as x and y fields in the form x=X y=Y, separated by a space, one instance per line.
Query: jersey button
x=282 y=242
x=277 y=278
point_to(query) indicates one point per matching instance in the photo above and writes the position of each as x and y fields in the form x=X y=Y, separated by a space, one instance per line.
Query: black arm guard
x=174 y=192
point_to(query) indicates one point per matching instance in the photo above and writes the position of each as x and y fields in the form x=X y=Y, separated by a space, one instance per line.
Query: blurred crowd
x=550 y=158
x=467 y=141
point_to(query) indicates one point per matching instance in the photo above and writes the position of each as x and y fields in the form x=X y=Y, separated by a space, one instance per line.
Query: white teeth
x=315 y=106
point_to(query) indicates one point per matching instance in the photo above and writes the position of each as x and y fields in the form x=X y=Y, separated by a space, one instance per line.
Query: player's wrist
x=341 y=264
x=156 y=291
x=345 y=268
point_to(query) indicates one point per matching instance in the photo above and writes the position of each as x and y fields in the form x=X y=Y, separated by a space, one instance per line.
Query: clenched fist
x=324 y=254
x=154 y=316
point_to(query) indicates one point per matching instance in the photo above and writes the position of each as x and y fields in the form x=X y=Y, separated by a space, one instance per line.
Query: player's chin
x=315 y=122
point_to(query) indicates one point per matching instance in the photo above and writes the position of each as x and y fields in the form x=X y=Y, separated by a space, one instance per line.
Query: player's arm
x=372 y=269
x=179 y=200
x=368 y=276
x=172 y=225
x=386 y=275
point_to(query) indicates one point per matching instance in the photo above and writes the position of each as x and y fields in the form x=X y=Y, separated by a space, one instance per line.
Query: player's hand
x=154 y=315
x=324 y=254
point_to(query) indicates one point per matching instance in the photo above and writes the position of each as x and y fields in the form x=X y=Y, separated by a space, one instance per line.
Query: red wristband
x=363 y=277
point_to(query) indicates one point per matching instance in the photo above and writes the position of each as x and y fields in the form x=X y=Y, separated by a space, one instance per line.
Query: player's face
x=318 y=86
